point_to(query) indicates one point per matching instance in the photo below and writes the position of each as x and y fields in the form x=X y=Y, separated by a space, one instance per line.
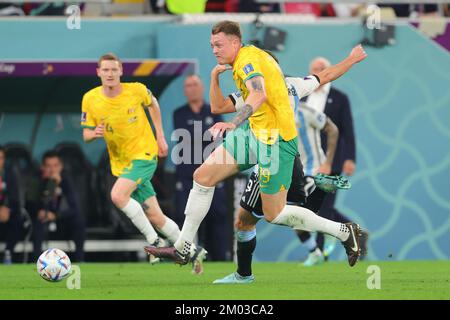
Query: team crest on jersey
x=83 y=117
x=248 y=68
x=109 y=128
x=131 y=110
x=133 y=119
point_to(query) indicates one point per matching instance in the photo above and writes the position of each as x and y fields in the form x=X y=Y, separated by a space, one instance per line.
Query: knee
x=120 y=200
x=202 y=178
x=270 y=213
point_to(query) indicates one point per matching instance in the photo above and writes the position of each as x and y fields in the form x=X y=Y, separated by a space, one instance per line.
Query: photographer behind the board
x=57 y=207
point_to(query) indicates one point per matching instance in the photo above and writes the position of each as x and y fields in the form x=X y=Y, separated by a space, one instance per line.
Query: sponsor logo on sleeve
x=248 y=68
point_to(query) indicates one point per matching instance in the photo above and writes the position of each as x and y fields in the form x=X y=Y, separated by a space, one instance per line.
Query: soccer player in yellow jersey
x=268 y=139
x=301 y=191
x=115 y=111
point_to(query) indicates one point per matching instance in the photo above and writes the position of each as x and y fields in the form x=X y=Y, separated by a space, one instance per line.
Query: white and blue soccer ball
x=53 y=265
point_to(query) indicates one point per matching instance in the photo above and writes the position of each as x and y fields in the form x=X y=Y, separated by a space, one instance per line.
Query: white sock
x=170 y=230
x=197 y=207
x=134 y=211
x=300 y=218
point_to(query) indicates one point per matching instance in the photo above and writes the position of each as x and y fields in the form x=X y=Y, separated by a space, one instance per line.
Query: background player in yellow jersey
x=269 y=137
x=115 y=111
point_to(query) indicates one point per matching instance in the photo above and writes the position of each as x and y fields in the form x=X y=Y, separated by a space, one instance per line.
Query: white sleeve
x=238 y=100
x=315 y=118
x=304 y=86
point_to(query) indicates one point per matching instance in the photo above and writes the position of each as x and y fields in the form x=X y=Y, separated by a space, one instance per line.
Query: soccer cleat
x=331 y=183
x=314 y=258
x=197 y=260
x=363 y=244
x=329 y=245
x=160 y=242
x=167 y=253
x=352 y=244
x=235 y=278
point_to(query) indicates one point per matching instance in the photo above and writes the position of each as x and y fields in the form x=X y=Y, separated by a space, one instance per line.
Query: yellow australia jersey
x=275 y=116
x=128 y=134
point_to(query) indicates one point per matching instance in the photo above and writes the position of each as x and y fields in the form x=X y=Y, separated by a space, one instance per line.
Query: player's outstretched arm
x=155 y=114
x=332 y=73
x=90 y=135
x=219 y=105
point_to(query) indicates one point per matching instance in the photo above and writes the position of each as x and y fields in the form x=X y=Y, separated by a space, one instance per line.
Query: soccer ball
x=53 y=265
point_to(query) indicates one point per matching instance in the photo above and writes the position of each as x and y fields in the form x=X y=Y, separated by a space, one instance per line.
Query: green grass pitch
x=166 y=281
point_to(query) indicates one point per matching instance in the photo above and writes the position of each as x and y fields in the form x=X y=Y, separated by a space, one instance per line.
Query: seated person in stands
x=10 y=221
x=57 y=207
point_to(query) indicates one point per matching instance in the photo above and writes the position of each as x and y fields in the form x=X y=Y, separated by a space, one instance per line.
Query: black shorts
x=251 y=198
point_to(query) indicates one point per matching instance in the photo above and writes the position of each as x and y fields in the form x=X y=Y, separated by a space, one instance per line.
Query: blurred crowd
x=139 y=7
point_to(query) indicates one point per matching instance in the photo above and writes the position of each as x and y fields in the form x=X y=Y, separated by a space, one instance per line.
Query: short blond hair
x=109 y=57
x=227 y=27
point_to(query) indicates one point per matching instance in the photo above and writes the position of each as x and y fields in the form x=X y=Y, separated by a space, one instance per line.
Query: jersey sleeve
x=304 y=86
x=249 y=69
x=237 y=99
x=146 y=95
x=87 y=118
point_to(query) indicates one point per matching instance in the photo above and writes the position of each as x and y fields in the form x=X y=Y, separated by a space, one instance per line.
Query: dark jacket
x=9 y=191
x=183 y=118
x=337 y=108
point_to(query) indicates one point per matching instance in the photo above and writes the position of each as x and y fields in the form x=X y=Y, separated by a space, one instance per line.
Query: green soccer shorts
x=141 y=171
x=275 y=161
